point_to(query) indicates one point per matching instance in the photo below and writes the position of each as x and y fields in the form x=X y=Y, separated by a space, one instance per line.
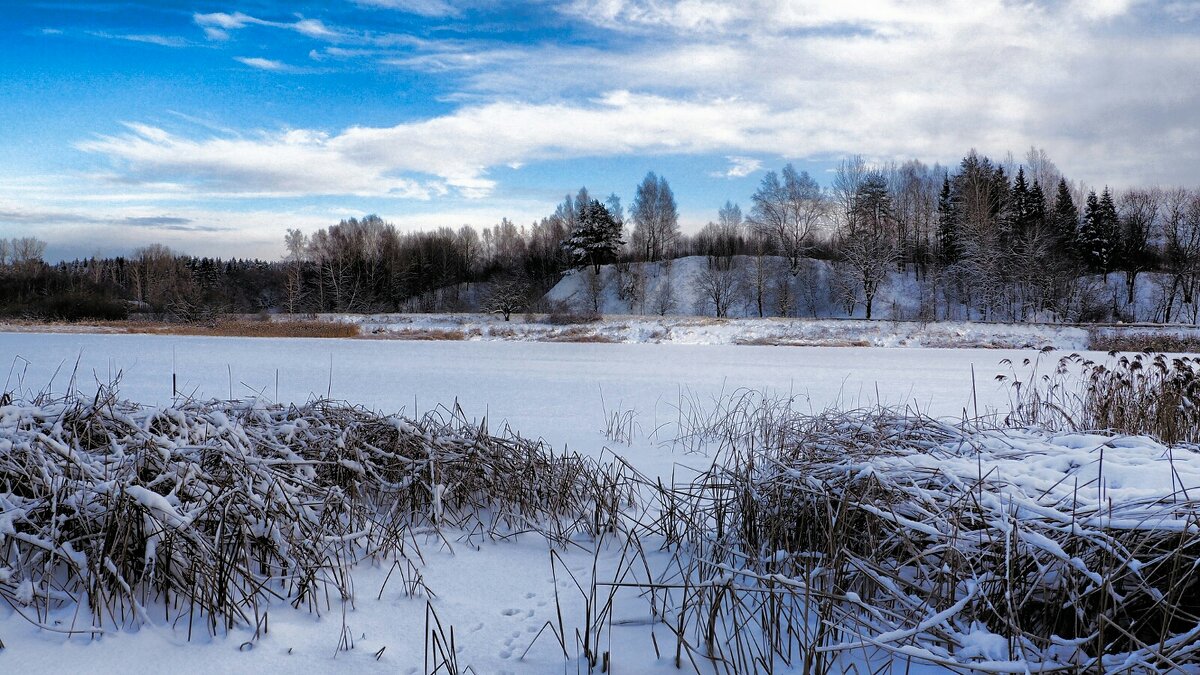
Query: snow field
x=500 y=594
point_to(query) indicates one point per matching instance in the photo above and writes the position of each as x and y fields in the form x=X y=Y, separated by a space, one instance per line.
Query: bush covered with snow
x=208 y=511
x=816 y=541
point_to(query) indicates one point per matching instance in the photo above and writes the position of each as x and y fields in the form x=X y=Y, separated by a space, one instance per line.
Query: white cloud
x=435 y=8
x=264 y=64
x=739 y=167
x=773 y=79
x=219 y=26
x=160 y=40
x=1183 y=11
x=225 y=21
x=896 y=79
x=458 y=149
x=290 y=163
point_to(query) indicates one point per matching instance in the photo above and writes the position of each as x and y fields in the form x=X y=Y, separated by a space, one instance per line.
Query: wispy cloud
x=459 y=148
x=1183 y=11
x=50 y=217
x=436 y=8
x=146 y=38
x=264 y=64
x=739 y=167
x=220 y=25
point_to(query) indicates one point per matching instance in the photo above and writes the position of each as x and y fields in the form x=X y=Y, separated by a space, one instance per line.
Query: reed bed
x=862 y=540
x=823 y=542
x=206 y=512
x=1143 y=394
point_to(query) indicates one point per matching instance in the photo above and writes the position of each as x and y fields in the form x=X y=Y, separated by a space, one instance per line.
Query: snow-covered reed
x=880 y=536
x=207 y=511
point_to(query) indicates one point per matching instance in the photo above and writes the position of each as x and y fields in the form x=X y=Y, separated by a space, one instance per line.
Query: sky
x=213 y=126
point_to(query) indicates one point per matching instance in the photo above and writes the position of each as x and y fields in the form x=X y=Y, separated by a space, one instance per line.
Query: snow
x=712 y=331
x=815 y=294
x=498 y=595
x=541 y=389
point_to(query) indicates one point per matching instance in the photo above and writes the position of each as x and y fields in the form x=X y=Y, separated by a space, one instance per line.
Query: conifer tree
x=1097 y=233
x=1110 y=231
x=1037 y=208
x=597 y=236
x=947 y=232
x=1020 y=218
x=1064 y=221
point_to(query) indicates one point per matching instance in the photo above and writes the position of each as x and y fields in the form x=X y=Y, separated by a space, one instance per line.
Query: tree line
x=985 y=239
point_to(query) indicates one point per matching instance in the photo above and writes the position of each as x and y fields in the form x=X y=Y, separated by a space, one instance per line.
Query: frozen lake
x=500 y=594
x=551 y=390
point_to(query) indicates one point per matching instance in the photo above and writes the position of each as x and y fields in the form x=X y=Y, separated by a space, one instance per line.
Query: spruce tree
x=597 y=236
x=1110 y=231
x=947 y=232
x=1037 y=209
x=1097 y=234
x=1019 y=220
x=1064 y=221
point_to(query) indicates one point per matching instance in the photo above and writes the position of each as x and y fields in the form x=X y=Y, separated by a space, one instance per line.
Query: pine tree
x=1037 y=209
x=597 y=236
x=1064 y=221
x=947 y=232
x=1110 y=231
x=1020 y=217
x=1097 y=234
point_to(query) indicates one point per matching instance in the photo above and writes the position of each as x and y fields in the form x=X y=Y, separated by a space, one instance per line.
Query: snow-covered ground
x=688 y=287
x=499 y=595
x=553 y=390
x=710 y=331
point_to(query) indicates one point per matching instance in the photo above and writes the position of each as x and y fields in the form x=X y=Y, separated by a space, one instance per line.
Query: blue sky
x=213 y=126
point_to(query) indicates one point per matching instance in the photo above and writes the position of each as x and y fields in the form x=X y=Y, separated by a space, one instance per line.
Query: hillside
x=695 y=286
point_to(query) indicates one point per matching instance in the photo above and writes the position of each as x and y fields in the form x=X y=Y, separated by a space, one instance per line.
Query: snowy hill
x=754 y=287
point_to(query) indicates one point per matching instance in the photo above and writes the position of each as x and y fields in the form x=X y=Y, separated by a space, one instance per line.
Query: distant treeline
x=988 y=239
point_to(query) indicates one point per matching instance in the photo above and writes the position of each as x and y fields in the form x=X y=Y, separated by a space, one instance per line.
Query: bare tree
x=510 y=293
x=790 y=211
x=1181 y=239
x=664 y=298
x=867 y=245
x=26 y=253
x=151 y=268
x=1138 y=211
x=655 y=219
x=296 y=243
x=719 y=288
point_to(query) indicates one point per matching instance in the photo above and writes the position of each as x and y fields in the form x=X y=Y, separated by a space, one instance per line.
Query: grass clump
x=818 y=542
x=1140 y=394
x=205 y=513
x=1133 y=340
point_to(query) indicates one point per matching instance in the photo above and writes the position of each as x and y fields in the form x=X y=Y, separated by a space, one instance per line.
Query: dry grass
x=804 y=547
x=205 y=513
x=431 y=334
x=225 y=327
x=570 y=318
x=579 y=334
x=1106 y=341
x=799 y=550
x=259 y=328
x=1142 y=394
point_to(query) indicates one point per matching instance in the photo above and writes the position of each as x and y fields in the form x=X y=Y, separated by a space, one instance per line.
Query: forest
x=987 y=239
